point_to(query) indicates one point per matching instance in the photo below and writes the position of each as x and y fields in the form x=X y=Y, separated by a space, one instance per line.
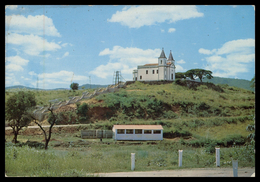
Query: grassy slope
x=231 y=82
x=233 y=103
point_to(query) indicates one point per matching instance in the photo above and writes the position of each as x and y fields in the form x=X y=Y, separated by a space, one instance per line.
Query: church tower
x=171 y=61
x=162 y=66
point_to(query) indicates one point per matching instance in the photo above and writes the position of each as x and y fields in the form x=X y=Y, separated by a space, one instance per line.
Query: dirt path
x=197 y=172
x=44 y=126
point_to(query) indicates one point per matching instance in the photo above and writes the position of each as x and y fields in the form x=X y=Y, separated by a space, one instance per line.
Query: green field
x=92 y=156
x=195 y=120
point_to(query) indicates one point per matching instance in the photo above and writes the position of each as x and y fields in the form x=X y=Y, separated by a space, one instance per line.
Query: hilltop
x=204 y=110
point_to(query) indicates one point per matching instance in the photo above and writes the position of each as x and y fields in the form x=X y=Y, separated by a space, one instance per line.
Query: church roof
x=162 y=54
x=170 y=56
x=151 y=64
x=155 y=64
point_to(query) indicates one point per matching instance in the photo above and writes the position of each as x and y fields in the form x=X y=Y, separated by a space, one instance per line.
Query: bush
x=169 y=114
x=177 y=132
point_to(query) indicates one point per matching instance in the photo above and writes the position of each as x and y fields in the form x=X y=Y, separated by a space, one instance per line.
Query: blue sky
x=57 y=44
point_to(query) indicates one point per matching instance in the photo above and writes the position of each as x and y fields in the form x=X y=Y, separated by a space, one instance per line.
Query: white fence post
x=132 y=161
x=217 y=157
x=180 y=158
x=235 y=166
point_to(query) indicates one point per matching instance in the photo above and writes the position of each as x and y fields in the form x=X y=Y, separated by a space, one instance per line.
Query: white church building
x=163 y=70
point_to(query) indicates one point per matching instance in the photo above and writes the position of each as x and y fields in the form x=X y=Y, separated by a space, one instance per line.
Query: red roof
x=151 y=64
x=154 y=64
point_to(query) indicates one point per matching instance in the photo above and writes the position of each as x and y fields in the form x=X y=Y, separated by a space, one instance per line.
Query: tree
x=180 y=75
x=82 y=111
x=74 y=86
x=16 y=111
x=200 y=73
x=252 y=82
x=52 y=119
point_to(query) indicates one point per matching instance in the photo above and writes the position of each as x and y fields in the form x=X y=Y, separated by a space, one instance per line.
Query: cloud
x=162 y=30
x=181 y=61
x=15 y=63
x=61 y=77
x=31 y=44
x=65 y=44
x=125 y=60
x=179 y=68
x=38 y=25
x=231 y=59
x=11 y=7
x=171 y=30
x=138 y=16
x=64 y=55
x=32 y=73
x=206 y=51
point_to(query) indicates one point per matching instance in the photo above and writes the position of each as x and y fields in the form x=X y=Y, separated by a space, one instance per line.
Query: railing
x=41 y=111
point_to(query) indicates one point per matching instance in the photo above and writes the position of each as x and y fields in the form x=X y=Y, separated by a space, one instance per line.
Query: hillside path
x=44 y=126
x=196 y=172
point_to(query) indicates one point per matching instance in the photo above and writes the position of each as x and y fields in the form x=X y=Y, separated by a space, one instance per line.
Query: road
x=197 y=172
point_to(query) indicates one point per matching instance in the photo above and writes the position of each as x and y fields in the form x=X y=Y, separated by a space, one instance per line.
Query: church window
x=153 y=71
x=146 y=71
x=157 y=71
x=140 y=77
x=161 y=61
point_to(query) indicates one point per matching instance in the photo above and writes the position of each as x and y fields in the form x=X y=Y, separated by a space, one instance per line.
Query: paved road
x=198 y=172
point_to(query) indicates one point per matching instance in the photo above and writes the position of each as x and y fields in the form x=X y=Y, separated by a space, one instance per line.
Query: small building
x=137 y=132
x=163 y=70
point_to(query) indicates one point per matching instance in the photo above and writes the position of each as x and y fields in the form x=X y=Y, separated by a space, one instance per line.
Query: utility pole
x=90 y=82
x=37 y=83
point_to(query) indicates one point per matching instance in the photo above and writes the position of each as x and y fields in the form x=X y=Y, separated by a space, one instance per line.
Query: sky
x=51 y=46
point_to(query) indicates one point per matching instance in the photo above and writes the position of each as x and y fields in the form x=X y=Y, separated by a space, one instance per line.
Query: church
x=163 y=70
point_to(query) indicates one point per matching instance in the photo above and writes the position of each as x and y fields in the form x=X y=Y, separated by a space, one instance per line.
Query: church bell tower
x=162 y=66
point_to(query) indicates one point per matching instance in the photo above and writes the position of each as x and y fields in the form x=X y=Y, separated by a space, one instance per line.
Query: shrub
x=169 y=114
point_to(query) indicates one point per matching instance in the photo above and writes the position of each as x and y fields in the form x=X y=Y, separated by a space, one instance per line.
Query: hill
x=240 y=83
x=92 y=86
x=206 y=112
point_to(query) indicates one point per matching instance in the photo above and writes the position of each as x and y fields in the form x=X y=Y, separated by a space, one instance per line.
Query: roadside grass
x=115 y=157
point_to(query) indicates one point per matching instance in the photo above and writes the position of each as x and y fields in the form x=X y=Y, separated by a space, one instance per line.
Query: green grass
x=209 y=118
x=115 y=157
x=44 y=96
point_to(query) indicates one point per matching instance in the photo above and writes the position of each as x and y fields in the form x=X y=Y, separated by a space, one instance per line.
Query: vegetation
x=200 y=73
x=81 y=111
x=196 y=118
x=74 y=86
x=52 y=119
x=252 y=82
x=16 y=111
x=85 y=157
x=231 y=82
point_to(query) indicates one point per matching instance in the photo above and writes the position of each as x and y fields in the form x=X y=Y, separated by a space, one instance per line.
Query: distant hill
x=30 y=88
x=80 y=87
x=240 y=83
